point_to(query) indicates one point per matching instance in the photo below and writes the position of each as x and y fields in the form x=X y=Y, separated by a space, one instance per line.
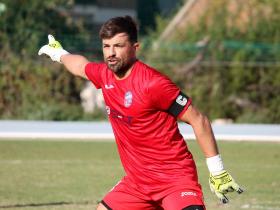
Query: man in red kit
x=143 y=106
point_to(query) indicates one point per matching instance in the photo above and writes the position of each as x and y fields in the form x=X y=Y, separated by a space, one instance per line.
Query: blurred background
x=225 y=54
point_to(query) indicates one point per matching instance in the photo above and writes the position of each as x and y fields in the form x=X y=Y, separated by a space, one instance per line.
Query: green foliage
x=147 y=15
x=33 y=87
x=238 y=72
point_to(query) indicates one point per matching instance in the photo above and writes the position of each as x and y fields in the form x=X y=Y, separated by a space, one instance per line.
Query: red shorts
x=126 y=197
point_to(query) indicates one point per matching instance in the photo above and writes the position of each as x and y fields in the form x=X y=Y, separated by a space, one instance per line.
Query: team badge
x=128 y=99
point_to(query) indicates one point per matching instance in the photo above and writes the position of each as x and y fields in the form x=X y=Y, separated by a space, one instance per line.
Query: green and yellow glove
x=220 y=181
x=54 y=49
x=223 y=183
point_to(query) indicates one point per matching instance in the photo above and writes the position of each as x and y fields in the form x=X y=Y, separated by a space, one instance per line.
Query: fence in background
x=102 y=131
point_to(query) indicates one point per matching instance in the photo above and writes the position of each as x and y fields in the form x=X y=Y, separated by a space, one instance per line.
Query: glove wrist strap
x=215 y=164
x=60 y=53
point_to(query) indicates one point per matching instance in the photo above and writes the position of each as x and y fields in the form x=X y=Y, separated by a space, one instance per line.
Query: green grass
x=75 y=175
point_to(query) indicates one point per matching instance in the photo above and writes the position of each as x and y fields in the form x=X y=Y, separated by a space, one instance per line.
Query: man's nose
x=112 y=51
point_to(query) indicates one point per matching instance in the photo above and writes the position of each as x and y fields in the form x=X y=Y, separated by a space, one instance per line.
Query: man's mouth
x=112 y=61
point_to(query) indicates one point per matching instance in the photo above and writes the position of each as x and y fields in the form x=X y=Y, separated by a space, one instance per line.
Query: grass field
x=75 y=175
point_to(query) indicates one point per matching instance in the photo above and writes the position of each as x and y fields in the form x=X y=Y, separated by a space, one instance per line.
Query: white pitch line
x=110 y=136
x=57 y=136
x=239 y=137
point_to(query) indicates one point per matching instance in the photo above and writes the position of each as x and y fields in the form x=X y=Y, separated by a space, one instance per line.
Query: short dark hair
x=118 y=25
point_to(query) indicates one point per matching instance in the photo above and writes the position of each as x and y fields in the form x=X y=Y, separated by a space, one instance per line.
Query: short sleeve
x=93 y=72
x=166 y=96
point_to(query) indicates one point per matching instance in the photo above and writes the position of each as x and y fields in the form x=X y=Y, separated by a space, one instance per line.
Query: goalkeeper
x=143 y=107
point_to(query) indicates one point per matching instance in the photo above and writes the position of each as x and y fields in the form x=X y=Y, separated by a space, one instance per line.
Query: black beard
x=120 y=68
x=115 y=68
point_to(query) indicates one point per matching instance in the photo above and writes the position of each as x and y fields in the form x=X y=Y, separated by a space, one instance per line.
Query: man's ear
x=136 y=45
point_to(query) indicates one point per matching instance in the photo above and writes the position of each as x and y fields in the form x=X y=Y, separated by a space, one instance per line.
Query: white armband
x=215 y=164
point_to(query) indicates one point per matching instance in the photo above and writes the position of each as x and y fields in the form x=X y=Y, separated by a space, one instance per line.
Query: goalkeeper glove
x=54 y=49
x=223 y=183
x=220 y=181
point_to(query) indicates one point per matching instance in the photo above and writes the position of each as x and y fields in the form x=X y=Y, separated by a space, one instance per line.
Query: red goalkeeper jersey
x=152 y=150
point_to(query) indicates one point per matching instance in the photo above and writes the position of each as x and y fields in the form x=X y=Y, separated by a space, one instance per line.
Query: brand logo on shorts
x=127 y=99
x=188 y=194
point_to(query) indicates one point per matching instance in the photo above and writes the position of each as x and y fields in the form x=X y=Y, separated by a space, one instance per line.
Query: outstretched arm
x=73 y=63
x=220 y=181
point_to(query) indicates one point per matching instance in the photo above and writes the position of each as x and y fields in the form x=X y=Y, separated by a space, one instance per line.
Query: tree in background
x=32 y=88
x=228 y=62
x=2 y=8
x=147 y=11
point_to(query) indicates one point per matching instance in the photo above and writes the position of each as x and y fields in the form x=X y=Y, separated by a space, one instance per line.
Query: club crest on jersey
x=127 y=99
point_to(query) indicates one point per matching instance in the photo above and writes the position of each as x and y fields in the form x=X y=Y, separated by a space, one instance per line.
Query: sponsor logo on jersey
x=188 y=194
x=181 y=100
x=116 y=115
x=128 y=99
x=108 y=110
x=109 y=86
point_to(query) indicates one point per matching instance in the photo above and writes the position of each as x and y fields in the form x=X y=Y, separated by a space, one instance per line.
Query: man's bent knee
x=103 y=206
x=195 y=207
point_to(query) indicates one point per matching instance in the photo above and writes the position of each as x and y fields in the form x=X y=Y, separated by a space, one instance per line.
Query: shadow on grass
x=46 y=204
